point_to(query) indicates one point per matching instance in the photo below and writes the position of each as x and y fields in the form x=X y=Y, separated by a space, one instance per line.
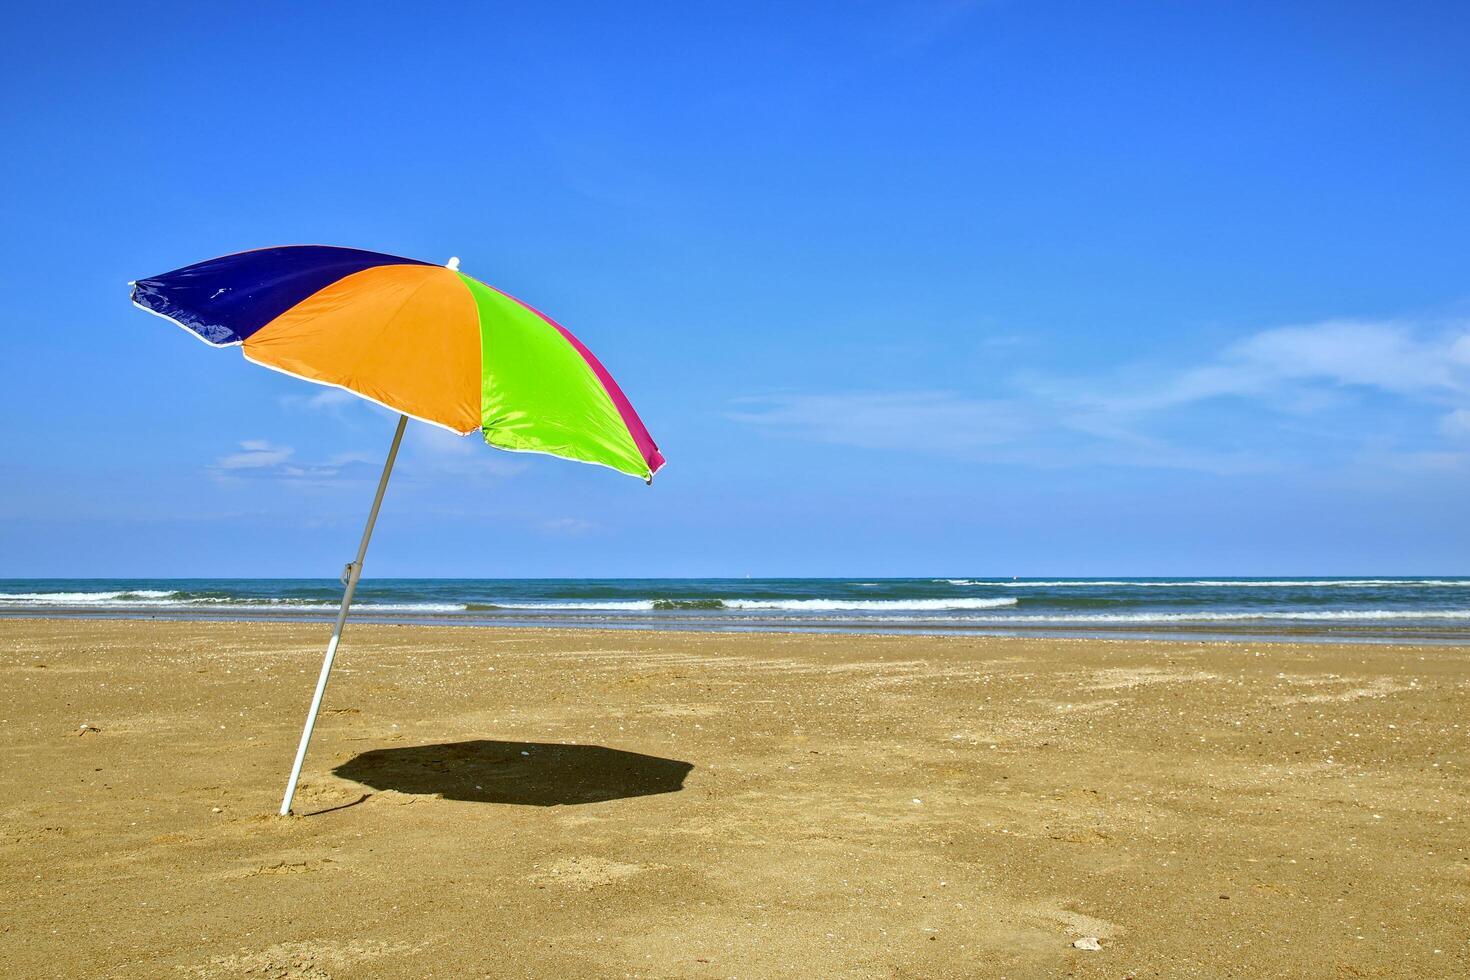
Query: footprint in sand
x=297 y=961
x=583 y=873
x=287 y=868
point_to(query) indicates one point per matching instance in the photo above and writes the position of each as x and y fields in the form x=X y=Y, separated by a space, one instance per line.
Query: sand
x=507 y=803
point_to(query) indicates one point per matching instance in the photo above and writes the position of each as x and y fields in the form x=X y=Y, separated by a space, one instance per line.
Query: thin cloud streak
x=934 y=421
x=1390 y=357
x=1372 y=373
x=260 y=459
x=255 y=454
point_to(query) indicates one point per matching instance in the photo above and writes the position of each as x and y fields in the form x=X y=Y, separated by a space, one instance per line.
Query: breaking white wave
x=630 y=605
x=73 y=598
x=961 y=610
x=1218 y=583
x=168 y=599
x=868 y=605
x=1326 y=615
x=293 y=606
x=992 y=604
x=788 y=605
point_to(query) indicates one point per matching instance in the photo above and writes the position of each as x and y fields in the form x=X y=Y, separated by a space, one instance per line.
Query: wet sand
x=491 y=802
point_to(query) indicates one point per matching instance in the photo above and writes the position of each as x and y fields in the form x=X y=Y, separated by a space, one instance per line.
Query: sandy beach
x=486 y=802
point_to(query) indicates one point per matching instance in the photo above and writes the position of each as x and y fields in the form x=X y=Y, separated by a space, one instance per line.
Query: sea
x=1371 y=609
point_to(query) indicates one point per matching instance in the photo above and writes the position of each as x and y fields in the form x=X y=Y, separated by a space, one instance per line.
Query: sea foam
x=1357 y=583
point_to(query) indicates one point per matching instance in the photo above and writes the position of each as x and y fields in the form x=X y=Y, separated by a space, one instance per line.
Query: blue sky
x=1023 y=288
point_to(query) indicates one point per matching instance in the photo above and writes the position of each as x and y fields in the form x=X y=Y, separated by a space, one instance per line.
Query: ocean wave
x=173 y=599
x=628 y=605
x=292 y=606
x=1072 y=606
x=1216 y=583
x=1326 y=615
x=868 y=605
x=81 y=597
x=788 y=605
x=893 y=611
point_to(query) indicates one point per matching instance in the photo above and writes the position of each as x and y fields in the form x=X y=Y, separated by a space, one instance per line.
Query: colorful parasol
x=424 y=340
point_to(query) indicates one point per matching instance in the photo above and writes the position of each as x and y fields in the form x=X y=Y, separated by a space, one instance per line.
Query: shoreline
x=1338 y=633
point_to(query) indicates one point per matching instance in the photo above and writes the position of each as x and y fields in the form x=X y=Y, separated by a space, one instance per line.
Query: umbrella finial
x=453 y=264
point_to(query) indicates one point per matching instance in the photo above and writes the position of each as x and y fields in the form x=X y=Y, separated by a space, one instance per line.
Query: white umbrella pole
x=350 y=576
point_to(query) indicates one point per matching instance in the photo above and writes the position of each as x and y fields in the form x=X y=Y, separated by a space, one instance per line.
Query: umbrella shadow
x=522 y=773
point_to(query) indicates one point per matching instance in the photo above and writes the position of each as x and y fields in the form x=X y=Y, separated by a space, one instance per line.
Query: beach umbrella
x=424 y=340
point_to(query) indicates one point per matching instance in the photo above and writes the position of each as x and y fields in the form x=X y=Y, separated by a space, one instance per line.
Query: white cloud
x=427 y=450
x=1456 y=424
x=1390 y=356
x=439 y=451
x=1294 y=372
x=330 y=400
x=940 y=421
x=430 y=440
x=254 y=454
x=943 y=423
x=262 y=459
x=1387 y=356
